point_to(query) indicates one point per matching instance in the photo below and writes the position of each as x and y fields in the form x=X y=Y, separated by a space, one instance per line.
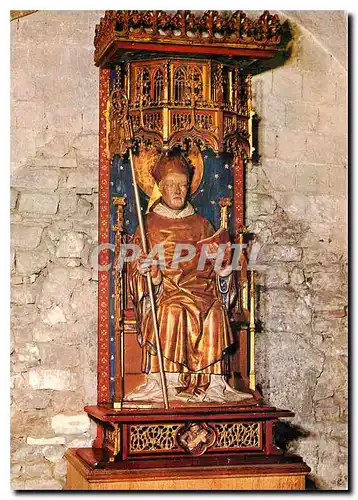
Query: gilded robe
x=193 y=323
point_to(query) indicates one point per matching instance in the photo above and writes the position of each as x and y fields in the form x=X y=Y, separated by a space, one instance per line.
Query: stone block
x=86 y=146
x=29 y=114
x=91 y=117
x=26 y=453
x=319 y=256
x=50 y=441
x=28 y=353
x=62 y=116
x=261 y=88
x=29 y=400
x=327 y=300
x=60 y=469
x=58 y=286
x=294 y=316
x=22 y=83
x=44 y=161
x=83 y=181
x=80 y=442
x=31 y=261
x=338 y=181
x=302 y=116
x=12 y=260
x=260 y=204
x=280 y=253
x=43 y=333
x=22 y=148
x=68 y=203
x=297 y=276
x=333 y=120
x=23 y=420
x=70 y=424
x=67 y=162
x=23 y=315
x=275 y=276
x=54 y=316
x=17 y=280
x=324 y=209
x=21 y=333
x=54 y=453
x=312 y=178
x=299 y=371
x=83 y=207
x=70 y=244
x=24 y=236
x=17 y=484
x=318 y=88
x=280 y=174
x=42 y=484
x=15 y=469
x=58 y=380
x=55 y=144
x=36 y=179
x=39 y=203
x=84 y=298
x=67 y=401
x=291 y=145
x=313 y=57
x=332 y=465
x=327 y=414
x=268 y=141
x=341 y=90
x=40 y=469
x=60 y=356
x=13 y=198
x=273 y=112
x=287 y=84
x=323 y=280
x=326 y=149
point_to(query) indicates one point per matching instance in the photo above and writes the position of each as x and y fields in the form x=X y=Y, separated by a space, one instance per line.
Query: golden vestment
x=193 y=323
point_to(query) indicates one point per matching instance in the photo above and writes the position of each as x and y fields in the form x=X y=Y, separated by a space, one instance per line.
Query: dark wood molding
x=16 y=14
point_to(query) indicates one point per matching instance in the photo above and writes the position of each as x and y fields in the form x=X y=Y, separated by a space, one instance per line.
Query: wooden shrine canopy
x=230 y=36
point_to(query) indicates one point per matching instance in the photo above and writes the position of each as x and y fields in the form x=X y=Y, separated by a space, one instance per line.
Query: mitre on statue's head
x=172 y=163
x=193 y=167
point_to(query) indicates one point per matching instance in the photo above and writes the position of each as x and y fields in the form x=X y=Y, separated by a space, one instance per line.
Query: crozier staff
x=155 y=327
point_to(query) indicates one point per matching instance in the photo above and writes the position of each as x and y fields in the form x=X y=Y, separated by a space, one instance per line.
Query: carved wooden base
x=196 y=435
x=255 y=473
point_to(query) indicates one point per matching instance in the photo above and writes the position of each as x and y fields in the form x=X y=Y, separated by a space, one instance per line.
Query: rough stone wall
x=54 y=229
x=296 y=206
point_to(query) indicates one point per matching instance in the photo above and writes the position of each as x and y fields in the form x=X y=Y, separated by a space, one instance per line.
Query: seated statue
x=194 y=327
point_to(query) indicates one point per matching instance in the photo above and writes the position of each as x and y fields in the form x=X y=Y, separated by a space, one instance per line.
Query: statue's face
x=174 y=189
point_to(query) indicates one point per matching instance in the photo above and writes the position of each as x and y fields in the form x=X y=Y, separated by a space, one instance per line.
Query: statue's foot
x=219 y=391
x=150 y=391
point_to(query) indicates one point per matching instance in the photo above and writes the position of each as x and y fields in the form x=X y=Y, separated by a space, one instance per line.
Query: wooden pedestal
x=190 y=436
x=281 y=473
x=185 y=448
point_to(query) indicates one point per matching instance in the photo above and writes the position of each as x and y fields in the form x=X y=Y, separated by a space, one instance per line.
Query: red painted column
x=103 y=238
x=239 y=200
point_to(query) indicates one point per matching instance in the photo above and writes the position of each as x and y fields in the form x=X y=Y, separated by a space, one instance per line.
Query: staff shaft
x=150 y=284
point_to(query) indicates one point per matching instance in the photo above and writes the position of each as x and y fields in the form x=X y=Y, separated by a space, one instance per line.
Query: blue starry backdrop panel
x=217 y=183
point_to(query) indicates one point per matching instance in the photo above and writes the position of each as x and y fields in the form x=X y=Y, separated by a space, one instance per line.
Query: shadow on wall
x=285 y=433
x=287 y=38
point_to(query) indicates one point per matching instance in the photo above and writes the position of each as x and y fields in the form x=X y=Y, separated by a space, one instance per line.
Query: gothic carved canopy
x=183 y=78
